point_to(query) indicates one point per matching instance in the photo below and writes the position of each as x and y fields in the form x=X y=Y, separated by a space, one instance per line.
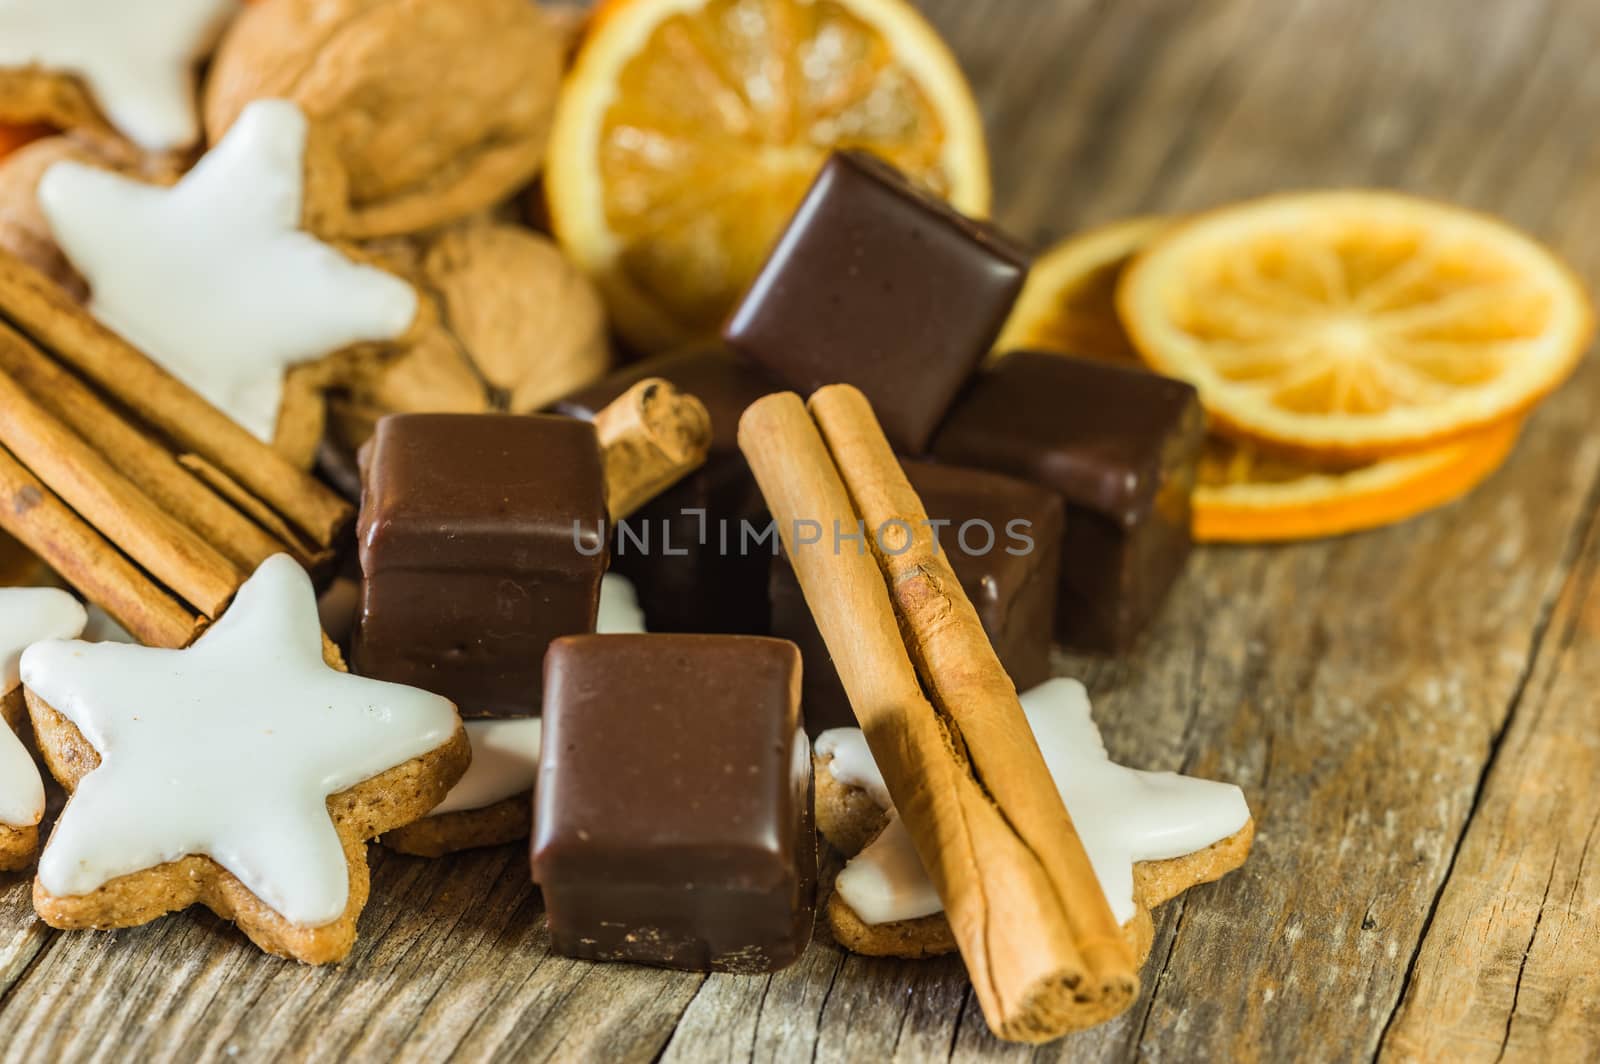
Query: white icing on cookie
x=620 y=613
x=27 y=615
x=505 y=753
x=21 y=788
x=213 y=278
x=885 y=882
x=505 y=763
x=852 y=762
x=1123 y=815
x=137 y=59
x=228 y=749
x=30 y=615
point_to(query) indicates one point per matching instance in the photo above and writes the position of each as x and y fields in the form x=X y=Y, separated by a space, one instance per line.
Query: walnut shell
x=436 y=109
x=516 y=327
x=532 y=324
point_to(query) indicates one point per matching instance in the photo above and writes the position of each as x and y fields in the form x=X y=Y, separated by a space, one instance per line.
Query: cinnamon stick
x=46 y=526
x=1034 y=979
x=126 y=516
x=313 y=558
x=965 y=679
x=52 y=318
x=653 y=436
x=145 y=463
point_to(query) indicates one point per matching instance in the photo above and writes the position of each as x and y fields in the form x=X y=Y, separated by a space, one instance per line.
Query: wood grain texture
x=1409 y=711
x=1508 y=964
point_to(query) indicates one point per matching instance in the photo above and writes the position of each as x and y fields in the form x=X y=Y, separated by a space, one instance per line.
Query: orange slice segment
x=1069 y=303
x=1245 y=496
x=689 y=130
x=1353 y=326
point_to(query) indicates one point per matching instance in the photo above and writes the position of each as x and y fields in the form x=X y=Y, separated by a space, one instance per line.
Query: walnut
x=517 y=327
x=532 y=324
x=434 y=110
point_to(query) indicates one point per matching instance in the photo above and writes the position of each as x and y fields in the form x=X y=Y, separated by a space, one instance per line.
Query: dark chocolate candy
x=878 y=284
x=1120 y=445
x=1011 y=580
x=482 y=538
x=686 y=581
x=673 y=817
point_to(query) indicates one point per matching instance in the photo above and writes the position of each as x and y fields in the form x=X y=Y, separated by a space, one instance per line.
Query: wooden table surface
x=1411 y=712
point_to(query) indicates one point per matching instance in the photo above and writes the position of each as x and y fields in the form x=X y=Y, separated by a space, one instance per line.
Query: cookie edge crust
x=508 y=820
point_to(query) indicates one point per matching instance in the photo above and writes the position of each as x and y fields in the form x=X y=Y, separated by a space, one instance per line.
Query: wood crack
x=1522 y=967
x=1181 y=904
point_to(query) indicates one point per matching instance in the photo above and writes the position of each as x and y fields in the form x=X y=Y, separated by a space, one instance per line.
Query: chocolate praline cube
x=687 y=581
x=1003 y=539
x=1121 y=446
x=482 y=538
x=673 y=815
x=882 y=285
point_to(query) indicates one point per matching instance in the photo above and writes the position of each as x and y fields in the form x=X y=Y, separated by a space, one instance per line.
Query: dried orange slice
x=1069 y=303
x=1245 y=496
x=1352 y=326
x=688 y=131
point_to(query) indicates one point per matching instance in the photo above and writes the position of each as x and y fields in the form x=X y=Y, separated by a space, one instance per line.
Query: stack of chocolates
x=879 y=285
x=647 y=601
x=1056 y=488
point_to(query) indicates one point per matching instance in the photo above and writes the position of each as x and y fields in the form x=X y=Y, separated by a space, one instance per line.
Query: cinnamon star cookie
x=214 y=278
x=1149 y=835
x=244 y=773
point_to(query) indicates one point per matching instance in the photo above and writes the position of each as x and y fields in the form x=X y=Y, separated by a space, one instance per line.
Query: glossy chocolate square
x=690 y=577
x=1121 y=447
x=1011 y=577
x=482 y=538
x=879 y=284
x=673 y=817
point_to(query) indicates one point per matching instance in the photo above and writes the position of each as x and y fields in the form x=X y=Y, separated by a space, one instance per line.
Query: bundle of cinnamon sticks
x=942 y=718
x=144 y=497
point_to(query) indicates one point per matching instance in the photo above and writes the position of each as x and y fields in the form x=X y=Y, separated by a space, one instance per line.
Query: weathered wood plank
x=1507 y=969
x=22 y=936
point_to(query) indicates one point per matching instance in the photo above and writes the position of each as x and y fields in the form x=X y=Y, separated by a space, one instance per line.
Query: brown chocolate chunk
x=673 y=815
x=1120 y=446
x=482 y=538
x=879 y=284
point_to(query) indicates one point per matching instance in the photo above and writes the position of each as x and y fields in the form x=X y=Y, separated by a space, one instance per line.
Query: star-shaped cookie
x=137 y=60
x=1149 y=835
x=243 y=773
x=213 y=277
x=27 y=615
